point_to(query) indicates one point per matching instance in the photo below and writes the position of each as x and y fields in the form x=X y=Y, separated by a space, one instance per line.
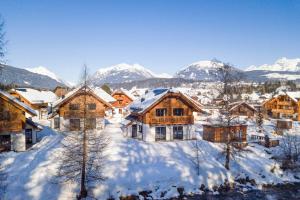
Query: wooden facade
x=71 y=110
x=13 y=123
x=242 y=109
x=122 y=99
x=219 y=133
x=40 y=106
x=170 y=103
x=169 y=117
x=60 y=91
x=283 y=106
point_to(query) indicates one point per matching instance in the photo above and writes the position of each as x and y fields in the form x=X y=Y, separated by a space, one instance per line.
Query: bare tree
x=197 y=155
x=3 y=177
x=229 y=79
x=83 y=154
x=290 y=146
x=2 y=43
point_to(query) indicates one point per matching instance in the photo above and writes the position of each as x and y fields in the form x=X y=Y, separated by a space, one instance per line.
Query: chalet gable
x=80 y=91
x=154 y=97
x=123 y=92
x=19 y=105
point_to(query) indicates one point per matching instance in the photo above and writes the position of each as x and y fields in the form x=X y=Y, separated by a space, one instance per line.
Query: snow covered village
x=212 y=130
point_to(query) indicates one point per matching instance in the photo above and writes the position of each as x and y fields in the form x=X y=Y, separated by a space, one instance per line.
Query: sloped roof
x=295 y=96
x=98 y=92
x=126 y=92
x=237 y=104
x=36 y=96
x=18 y=103
x=155 y=96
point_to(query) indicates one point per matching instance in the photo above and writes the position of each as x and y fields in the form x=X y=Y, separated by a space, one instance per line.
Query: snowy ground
x=134 y=166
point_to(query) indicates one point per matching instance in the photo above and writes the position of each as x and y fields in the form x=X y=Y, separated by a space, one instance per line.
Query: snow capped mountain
x=202 y=70
x=282 y=69
x=122 y=73
x=26 y=78
x=282 y=64
x=46 y=72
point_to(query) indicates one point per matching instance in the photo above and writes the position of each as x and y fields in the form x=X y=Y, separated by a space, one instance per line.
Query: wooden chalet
x=284 y=106
x=123 y=99
x=162 y=115
x=16 y=131
x=39 y=100
x=242 y=109
x=68 y=112
x=215 y=132
x=60 y=91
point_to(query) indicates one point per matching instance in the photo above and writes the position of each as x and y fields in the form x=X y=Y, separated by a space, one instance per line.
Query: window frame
x=91 y=123
x=74 y=106
x=177 y=132
x=72 y=127
x=160 y=135
x=92 y=106
x=177 y=109
x=161 y=112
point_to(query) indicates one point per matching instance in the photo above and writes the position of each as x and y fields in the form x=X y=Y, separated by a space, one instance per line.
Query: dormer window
x=74 y=106
x=178 y=111
x=161 y=112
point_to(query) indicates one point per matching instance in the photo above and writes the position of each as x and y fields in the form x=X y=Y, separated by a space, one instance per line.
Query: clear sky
x=163 y=36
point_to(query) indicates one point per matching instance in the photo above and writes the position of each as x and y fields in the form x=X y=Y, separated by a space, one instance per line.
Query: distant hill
x=25 y=78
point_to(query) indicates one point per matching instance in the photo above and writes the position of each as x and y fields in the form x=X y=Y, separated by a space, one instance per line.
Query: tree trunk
x=227 y=161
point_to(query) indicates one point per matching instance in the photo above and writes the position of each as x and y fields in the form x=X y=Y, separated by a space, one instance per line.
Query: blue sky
x=163 y=36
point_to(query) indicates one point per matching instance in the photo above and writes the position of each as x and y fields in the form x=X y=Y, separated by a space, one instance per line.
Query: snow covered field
x=134 y=166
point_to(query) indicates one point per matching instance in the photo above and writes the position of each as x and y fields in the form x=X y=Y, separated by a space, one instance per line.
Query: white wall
x=18 y=142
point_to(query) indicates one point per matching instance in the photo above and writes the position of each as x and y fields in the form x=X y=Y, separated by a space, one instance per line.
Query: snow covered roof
x=104 y=95
x=126 y=92
x=100 y=93
x=36 y=96
x=295 y=96
x=153 y=96
x=15 y=101
x=237 y=104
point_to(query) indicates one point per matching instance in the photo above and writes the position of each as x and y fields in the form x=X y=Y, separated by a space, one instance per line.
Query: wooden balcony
x=11 y=126
x=172 y=120
x=80 y=114
x=284 y=111
x=284 y=103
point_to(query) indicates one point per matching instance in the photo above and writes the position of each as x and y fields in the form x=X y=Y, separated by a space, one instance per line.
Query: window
x=74 y=124
x=178 y=132
x=5 y=115
x=161 y=112
x=92 y=106
x=140 y=128
x=160 y=133
x=90 y=123
x=74 y=106
x=178 y=111
x=28 y=136
x=56 y=123
x=120 y=102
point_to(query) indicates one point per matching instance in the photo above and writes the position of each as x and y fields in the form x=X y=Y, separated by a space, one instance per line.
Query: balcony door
x=160 y=133
x=134 y=130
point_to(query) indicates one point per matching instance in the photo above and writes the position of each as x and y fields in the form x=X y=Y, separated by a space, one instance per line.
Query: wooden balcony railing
x=172 y=120
x=284 y=103
x=80 y=114
x=285 y=111
x=10 y=126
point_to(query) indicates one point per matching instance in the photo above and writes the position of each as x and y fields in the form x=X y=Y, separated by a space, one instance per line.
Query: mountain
x=206 y=70
x=25 y=78
x=46 y=72
x=122 y=73
x=282 y=69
